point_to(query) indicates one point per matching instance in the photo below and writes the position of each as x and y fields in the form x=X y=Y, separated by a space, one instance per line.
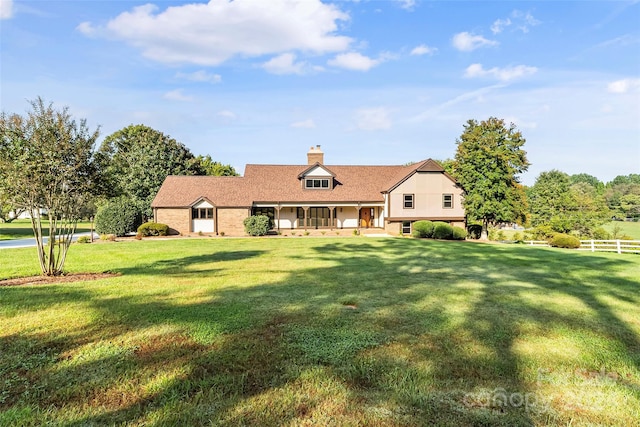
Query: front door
x=366 y=214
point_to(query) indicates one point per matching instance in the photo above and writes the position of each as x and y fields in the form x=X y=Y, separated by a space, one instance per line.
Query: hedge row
x=438 y=230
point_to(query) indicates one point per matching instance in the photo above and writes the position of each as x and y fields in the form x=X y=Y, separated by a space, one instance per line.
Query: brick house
x=312 y=196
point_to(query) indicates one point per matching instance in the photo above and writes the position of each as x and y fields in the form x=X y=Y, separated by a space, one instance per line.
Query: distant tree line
x=488 y=160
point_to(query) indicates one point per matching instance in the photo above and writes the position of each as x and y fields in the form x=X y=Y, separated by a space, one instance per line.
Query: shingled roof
x=281 y=184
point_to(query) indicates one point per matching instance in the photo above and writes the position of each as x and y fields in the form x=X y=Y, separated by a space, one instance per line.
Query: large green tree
x=565 y=207
x=137 y=159
x=623 y=196
x=214 y=168
x=488 y=160
x=47 y=165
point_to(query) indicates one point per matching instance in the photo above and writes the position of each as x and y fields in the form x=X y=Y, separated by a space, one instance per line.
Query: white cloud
x=86 y=28
x=354 y=61
x=373 y=119
x=177 y=95
x=502 y=74
x=284 y=64
x=423 y=49
x=304 y=124
x=211 y=33
x=467 y=42
x=200 y=76
x=499 y=25
x=521 y=20
x=624 y=85
x=6 y=9
x=226 y=114
x=407 y=4
x=524 y=20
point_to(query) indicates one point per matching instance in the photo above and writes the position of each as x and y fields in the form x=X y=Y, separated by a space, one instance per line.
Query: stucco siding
x=288 y=217
x=428 y=189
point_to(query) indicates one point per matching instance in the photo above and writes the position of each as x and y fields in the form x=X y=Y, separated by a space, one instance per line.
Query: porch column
x=331 y=208
x=305 y=212
x=278 y=213
x=359 y=208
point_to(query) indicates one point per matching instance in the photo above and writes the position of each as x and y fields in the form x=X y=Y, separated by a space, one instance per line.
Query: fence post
x=593 y=246
x=618 y=245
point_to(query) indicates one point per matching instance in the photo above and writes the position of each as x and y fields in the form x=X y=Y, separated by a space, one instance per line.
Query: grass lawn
x=21 y=229
x=322 y=331
x=631 y=229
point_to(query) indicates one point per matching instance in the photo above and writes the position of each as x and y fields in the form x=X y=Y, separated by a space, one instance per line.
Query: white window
x=408 y=201
x=317 y=183
x=447 y=201
x=406 y=227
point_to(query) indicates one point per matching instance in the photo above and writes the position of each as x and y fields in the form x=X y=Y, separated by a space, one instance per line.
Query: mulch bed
x=68 y=278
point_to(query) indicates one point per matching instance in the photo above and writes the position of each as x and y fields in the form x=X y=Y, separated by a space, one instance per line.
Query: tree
x=47 y=164
x=213 y=168
x=588 y=179
x=447 y=165
x=551 y=202
x=622 y=195
x=137 y=159
x=566 y=207
x=488 y=159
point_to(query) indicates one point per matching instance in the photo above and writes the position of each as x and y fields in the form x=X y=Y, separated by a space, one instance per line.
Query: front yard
x=322 y=331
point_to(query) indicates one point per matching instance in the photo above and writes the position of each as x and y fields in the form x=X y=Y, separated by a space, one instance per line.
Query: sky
x=372 y=82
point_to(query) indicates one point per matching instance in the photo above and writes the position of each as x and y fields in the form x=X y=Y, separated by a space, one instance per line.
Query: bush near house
x=256 y=225
x=153 y=229
x=118 y=216
x=423 y=229
x=459 y=233
x=561 y=240
x=442 y=230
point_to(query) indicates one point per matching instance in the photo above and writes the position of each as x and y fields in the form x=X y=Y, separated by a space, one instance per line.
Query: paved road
x=26 y=243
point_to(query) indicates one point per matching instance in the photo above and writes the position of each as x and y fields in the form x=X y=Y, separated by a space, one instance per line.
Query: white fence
x=619 y=246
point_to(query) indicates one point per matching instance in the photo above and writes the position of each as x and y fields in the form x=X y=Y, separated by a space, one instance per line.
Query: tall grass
x=323 y=332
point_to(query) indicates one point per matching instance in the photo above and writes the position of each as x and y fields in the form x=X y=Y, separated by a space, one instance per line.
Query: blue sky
x=372 y=82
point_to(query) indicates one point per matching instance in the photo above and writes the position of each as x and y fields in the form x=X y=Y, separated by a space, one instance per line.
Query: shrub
x=84 y=239
x=561 y=240
x=221 y=233
x=108 y=237
x=475 y=231
x=153 y=229
x=118 y=216
x=442 y=230
x=256 y=225
x=355 y=232
x=542 y=232
x=600 y=234
x=459 y=233
x=501 y=236
x=423 y=229
x=517 y=237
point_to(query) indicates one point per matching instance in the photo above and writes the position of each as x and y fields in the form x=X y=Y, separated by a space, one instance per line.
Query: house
x=312 y=196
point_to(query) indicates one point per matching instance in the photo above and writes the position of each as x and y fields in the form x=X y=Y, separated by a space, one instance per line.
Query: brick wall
x=393 y=228
x=178 y=220
x=230 y=221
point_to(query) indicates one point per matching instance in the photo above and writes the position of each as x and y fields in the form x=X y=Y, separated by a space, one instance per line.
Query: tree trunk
x=484 y=234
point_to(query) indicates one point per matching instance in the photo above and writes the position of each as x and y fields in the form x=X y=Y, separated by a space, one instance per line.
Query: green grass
x=631 y=229
x=21 y=229
x=323 y=331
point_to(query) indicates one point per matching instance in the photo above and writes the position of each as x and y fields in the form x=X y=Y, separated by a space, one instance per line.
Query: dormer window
x=317 y=183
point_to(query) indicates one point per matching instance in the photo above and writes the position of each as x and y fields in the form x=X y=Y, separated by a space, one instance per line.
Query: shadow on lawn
x=401 y=352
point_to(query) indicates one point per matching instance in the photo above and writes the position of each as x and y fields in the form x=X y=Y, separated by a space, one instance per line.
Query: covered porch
x=291 y=216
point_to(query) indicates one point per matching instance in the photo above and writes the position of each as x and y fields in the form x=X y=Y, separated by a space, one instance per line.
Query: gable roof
x=425 y=166
x=313 y=167
x=281 y=184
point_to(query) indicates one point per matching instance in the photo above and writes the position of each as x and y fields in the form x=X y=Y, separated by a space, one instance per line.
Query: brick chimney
x=315 y=155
